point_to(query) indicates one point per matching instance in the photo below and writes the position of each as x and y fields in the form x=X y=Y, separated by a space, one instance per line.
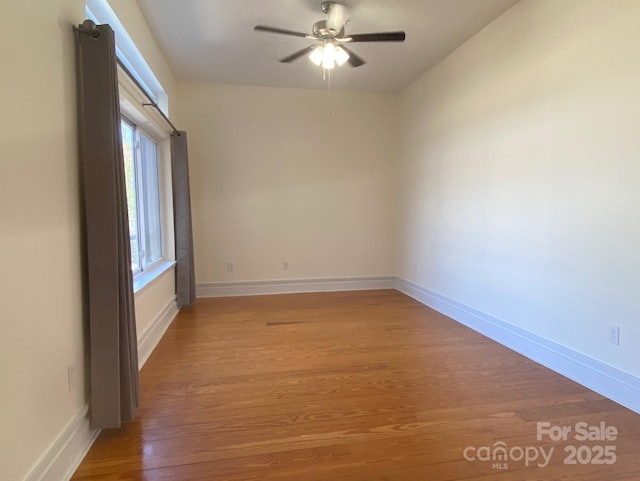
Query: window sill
x=148 y=277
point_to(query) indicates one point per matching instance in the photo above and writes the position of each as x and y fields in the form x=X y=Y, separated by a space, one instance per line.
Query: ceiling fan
x=330 y=48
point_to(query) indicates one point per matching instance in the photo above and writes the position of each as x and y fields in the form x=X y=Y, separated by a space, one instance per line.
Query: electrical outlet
x=72 y=376
x=285 y=266
x=229 y=266
x=614 y=334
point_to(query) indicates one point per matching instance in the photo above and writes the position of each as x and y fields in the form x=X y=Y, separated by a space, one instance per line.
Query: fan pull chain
x=329 y=93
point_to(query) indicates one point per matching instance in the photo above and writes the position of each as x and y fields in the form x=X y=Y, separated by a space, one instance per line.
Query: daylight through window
x=143 y=197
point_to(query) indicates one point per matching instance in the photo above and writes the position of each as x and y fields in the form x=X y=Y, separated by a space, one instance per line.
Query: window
x=143 y=197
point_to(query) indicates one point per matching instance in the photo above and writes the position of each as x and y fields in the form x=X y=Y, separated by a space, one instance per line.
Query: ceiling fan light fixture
x=329 y=56
x=317 y=55
x=341 y=56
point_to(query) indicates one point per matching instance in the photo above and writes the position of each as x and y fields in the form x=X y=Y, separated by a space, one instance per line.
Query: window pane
x=128 y=147
x=150 y=178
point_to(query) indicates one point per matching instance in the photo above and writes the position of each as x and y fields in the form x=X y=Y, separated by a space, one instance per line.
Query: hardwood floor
x=348 y=386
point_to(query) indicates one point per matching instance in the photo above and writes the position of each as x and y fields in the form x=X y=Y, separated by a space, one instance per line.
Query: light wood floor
x=345 y=386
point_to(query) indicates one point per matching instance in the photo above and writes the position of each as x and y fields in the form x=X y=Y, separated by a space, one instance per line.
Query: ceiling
x=214 y=41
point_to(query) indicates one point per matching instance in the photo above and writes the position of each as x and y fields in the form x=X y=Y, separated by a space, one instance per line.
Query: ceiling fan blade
x=354 y=60
x=264 y=28
x=378 y=37
x=298 y=54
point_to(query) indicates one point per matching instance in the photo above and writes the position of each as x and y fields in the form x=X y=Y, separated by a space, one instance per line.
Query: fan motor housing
x=321 y=30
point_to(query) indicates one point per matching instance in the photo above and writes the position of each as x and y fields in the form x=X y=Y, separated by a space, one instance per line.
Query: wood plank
x=347 y=386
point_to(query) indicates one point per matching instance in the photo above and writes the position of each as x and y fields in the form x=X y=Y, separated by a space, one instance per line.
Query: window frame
x=144 y=195
x=133 y=98
x=140 y=191
x=152 y=124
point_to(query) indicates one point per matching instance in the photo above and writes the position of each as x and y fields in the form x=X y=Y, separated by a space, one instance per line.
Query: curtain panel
x=112 y=328
x=185 y=275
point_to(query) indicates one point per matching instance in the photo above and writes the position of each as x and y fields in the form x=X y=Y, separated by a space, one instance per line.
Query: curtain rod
x=146 y=94
x=88 y=26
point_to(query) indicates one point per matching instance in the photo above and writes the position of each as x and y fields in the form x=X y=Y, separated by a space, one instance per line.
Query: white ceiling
x=214 y=41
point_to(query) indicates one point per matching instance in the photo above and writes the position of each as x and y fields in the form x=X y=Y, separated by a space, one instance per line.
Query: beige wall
x=41 y=286
x=41 y=308
x=520 y=175
x=151 y=300
x=275 y=179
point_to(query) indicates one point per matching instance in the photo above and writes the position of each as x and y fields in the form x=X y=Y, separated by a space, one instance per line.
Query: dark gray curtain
x=185 y=275
x=112 y=327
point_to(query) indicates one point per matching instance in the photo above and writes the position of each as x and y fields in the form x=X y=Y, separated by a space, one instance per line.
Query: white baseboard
x=290 y=286
x=149 y=339
x=609 y=381
x=67 y=451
